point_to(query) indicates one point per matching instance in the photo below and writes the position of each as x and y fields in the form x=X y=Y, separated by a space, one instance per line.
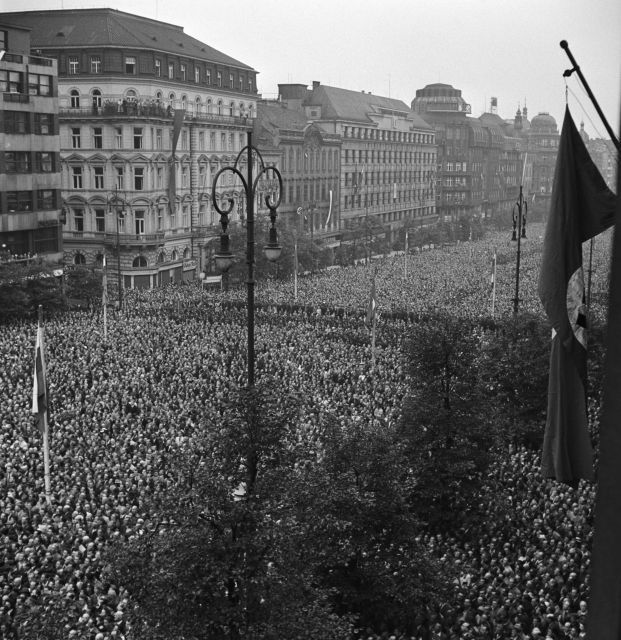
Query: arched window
x=158 y=95
x=99 y=259
x=184 y=102
x=198 y=104
x=209 y=105
x=242 y=109
x=171 y=98
x=79 y=259
x=96 y=98
x=161 y=257
x=139 y=261
x=186 y=253
x=75 y=99
x=131 y=95
x=174 y=255
x=232 y=109
x=219 y=107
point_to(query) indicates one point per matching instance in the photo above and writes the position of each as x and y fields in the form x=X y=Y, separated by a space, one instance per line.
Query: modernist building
x=483 y=161
x=122 y=79
x=30 y=199
x=309 y=160
x=387 y=157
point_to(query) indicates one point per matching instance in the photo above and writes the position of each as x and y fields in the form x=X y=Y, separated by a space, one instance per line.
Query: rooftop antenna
x=389 y=85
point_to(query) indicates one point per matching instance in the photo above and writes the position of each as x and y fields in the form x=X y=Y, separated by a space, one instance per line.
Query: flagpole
x=494 y=286
x=588 y=300
x=295 y=269
x=585 y=84
x=104 y=298
x=373 y=340
x=405 y=256
x=46 y=442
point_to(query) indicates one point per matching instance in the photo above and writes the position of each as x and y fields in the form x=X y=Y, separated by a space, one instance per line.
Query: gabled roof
x=112 y=28
x=279 y=117
x=343 y=104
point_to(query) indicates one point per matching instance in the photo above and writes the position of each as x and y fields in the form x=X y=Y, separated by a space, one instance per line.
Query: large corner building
x=134 y=186
x=30 y=198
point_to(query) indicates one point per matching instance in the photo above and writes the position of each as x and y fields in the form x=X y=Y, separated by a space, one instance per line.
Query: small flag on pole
x=372 y=306
x=39 y=387
x=492 y=275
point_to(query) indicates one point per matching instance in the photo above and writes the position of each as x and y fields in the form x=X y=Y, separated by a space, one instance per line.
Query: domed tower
x=542 y=144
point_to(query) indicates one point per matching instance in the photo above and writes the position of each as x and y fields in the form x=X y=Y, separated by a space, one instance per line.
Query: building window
x=223 y=141
x=39 y=84
x=76 y=172
x=17 y=161
x=74 y=99
x=96 y=98
x=16 y=122
x=45 y=162
x=120 y=178
x=139 y=221
x=76 y=141
x=158 y=138
x=11 y=82
x=219 y=107
x=241 y=83
x=219 y=78
x=130 y=65
x=74 y=65
x=99 y=177
x=201 y=140
x=100 y=220
x=95 y=64
x=171 y=70
x=44 y=124
x=78 y=225
x=197 y=75
x=159 y=175
x=212 y=141
x=138 y=178
x=184 y=139
x=250 y=84
x=98 y=138
x=139 y=261
x=118 y=136
x=207 y=76
x=182 y=71
x=185 y=214
x=46 y=199
x=184 y=177
x=158 y=68
x=160 y=216
x=137 y=137
x=19 y=201
x=231 y=81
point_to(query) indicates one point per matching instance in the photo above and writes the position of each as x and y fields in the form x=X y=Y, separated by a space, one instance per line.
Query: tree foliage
x=275 y=529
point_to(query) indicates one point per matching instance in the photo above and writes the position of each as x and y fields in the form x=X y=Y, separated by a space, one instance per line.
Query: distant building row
x=87 y=129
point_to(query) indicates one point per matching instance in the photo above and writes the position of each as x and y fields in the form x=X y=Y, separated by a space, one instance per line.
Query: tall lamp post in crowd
x=224 y=258
x=118 y=207
x=520 y=210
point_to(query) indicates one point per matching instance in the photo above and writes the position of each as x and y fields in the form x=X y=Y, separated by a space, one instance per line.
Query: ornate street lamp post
x=520 y=209
x=224 y=258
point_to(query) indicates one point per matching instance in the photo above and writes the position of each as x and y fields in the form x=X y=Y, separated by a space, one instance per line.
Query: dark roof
x=344 y=104
x=278 y=116
x=110 y=27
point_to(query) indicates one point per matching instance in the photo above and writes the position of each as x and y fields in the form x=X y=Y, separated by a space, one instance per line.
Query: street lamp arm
x=241 y=156
x=268 y=198
x=226 y=211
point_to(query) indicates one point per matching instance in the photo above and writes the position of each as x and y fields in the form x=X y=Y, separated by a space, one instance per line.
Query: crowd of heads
x=121 y=405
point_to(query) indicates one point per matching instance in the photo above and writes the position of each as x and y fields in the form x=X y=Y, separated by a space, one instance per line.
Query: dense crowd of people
x=120 y=406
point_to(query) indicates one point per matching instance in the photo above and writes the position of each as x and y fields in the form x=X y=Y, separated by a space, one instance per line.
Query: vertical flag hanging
x=104 y=297
x=40 y=399
x=604 y=616
x=581 y=207
x=372 y=306
x=172 y=185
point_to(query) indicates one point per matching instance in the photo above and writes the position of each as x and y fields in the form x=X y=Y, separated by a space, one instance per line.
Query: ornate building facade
x=387 y=157
x=30 y=197
x=134 y=185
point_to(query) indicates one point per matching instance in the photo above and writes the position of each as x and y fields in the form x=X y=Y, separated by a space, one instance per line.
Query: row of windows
x=360 y=180
x=309 y=160
x=23 y=122
x=384 y=198
x=173 y=71
x=39 y=200
x=365 y=133
x=309 y=192
x=151 y=138
x=37 y=84
x=376 y=156
x=138 y=222
x=25 y=161
x=132 y=103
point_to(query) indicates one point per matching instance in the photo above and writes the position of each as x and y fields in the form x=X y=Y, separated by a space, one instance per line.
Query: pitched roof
x=276 y=115
x=110 y=27
x=356 y=105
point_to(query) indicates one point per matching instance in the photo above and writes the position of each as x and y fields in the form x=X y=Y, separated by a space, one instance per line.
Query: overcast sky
x=502 y=48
